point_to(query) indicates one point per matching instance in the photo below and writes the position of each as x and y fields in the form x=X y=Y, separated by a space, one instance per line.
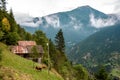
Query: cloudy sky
x=44 y=7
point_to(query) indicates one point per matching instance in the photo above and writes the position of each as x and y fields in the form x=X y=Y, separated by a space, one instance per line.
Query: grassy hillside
x=16 y=66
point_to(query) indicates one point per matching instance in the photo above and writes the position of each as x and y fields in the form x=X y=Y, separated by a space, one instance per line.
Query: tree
x=28 y=36
x=5 y=25
x=14 y=26
x=40 y=38
x=21 y=31
x=101 y=74
x=11 y=38
x=3 y=5
x=34 y=54
x=80 y=72
x=11 y=13
x=59 y=41
x=0 y=4
x=1 y=17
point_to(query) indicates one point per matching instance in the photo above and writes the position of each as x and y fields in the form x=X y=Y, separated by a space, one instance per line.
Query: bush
x=101 y=74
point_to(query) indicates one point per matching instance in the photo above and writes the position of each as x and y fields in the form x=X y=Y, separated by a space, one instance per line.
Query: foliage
x=103 y=47
x=28 y=36
x=24 y=66
x=41 y=39
x=101 y=74
x=81 y=73
x=3 y=5
x=11 y=38
x=59 y=41
x=22 y=33
x=34 y=53
x=8 y=33
x=14 y=26
x=61 y=64
x=5 y=25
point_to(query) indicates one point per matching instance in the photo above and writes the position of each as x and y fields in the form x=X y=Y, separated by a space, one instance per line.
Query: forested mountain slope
x=103 y=47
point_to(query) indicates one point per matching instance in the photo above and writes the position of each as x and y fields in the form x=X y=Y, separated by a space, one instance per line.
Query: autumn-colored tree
x=5 y=25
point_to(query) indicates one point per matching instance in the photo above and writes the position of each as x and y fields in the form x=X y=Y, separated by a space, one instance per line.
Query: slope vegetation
x=103 y=47
x=17 y=68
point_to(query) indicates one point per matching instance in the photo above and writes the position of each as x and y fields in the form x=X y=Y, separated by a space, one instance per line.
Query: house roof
x=26 y=43
x=19 y=49
x=38 y=48
x=26 y=49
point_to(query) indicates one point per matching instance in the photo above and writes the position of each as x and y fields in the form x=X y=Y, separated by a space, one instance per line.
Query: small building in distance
x=24 y=49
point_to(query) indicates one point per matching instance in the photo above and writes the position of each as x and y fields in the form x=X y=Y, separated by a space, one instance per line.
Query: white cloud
x=53 y=21
x=76 y=25
x=117 y=6
x=99 y=23
x=45 y=7
x=30 y=24
x=20 y=17
x=26 y=20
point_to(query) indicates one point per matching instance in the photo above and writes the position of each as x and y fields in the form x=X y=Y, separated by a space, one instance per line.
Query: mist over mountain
x=77 y=24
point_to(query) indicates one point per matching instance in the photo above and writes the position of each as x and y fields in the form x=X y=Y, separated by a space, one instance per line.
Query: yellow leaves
x=5 y=24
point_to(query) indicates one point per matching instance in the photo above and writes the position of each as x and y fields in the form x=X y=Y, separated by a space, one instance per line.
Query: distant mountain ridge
x=77 y=24
x=103 y=47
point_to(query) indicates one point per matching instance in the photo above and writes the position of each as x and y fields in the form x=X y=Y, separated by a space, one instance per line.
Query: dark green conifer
x=59 y=41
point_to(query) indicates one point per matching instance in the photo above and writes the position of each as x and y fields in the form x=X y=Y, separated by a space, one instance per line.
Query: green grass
x=116 y=72
x=24 y=66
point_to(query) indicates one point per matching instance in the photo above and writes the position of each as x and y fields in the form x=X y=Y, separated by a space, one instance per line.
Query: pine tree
x=3 y=5
x=0 y=4
x=12 y=22
x=11 y=13
x=59 y=41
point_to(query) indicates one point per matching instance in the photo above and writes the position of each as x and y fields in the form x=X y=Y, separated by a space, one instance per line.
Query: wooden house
x=24 y=49
x=27 y=43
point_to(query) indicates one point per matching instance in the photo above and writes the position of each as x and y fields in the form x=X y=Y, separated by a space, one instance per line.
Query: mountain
x=103 y=47
x=76 y=24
